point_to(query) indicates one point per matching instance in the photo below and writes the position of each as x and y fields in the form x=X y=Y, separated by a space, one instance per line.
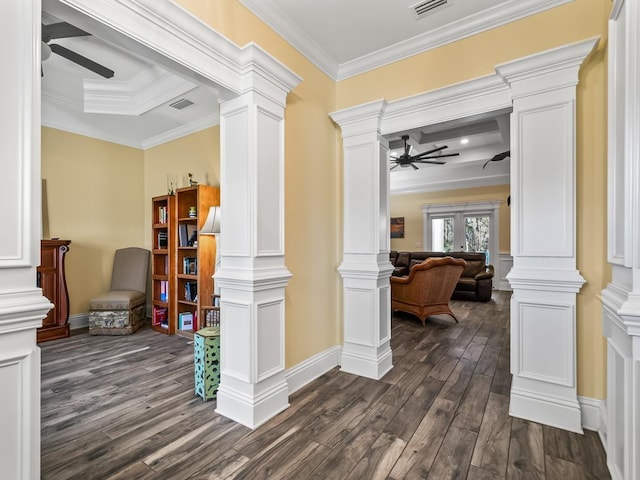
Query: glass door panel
x=477 y=230
x=442 y=234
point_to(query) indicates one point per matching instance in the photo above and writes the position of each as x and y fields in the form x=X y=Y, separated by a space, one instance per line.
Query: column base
x=366 y=364
x=252 y=405
x=531 y=404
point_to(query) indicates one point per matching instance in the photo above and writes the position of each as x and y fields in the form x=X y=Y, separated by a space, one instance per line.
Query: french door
x=468 y=227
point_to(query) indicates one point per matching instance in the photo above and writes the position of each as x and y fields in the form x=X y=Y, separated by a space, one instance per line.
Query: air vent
x=421 y=9
x=180 y=104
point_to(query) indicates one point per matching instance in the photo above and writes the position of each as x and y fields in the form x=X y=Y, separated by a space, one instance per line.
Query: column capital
x=524 y=75
x=361 y=119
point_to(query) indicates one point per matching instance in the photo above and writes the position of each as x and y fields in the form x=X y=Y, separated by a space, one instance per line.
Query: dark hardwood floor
x=125 y=408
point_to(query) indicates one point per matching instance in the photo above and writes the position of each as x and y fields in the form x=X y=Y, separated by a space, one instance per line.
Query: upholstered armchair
x=121 y=311
x=427 y=289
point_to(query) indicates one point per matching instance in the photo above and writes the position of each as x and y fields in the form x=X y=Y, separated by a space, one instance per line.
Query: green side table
x=206 y=357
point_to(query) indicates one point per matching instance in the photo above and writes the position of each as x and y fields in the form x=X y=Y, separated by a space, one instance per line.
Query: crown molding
x=452 y=32
x=147 y=90
x=294 y=35
x=81 y=128
x=181 y=131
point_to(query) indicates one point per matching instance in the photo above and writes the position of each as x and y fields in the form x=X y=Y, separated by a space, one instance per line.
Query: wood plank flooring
x=124 y=408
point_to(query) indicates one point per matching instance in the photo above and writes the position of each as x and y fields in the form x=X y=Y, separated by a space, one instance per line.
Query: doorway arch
x=540 y=90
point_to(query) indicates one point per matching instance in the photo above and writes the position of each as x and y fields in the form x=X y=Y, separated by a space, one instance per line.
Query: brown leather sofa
x=475 y=283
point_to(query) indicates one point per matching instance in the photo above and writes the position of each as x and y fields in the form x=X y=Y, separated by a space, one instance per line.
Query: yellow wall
x=477 y=56
x=312 y=198
x=95 y=199
x=313 y=181
x=198 y=153
x=409 y=207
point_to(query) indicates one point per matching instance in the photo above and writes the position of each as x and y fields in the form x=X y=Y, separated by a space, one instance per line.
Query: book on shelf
x=192 y=235
x=164 y=290
x=162 y=239
x=162 y=214
x=159 y=316
x=191 y=291
x=185 y=321
x=182 y=235
x=190 y=265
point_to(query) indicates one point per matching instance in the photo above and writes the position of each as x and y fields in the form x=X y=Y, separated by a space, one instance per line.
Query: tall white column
x=621 y=298
x=365 y=268
x=253 y=276
x=544 y=276
x=22 y=306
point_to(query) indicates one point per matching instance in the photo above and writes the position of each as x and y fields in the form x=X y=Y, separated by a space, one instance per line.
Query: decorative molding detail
x=181 y=131
x=147 y=90
x=452 y=32
x=480 y=95
x=562 y=63
x=83 y=129
x=505 y=264
x=490 y=18
x=312 y=368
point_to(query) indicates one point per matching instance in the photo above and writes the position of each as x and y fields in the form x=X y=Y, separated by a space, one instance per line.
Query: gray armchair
x=121 y=311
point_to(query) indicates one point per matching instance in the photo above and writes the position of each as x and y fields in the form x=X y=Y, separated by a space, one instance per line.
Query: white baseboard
x=313 y=367
x=591 y=413
x=79 y=320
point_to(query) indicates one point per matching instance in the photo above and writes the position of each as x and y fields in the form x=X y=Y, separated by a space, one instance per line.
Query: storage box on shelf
x=162 y=263
x=194 y=256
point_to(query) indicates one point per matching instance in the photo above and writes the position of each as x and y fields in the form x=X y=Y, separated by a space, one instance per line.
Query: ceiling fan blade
x=397 y=164
x=437 y=156
x=414 y=167
x=485 y=164
x=61 y=30
x=435 y=162
x=500 y=156
x=82 y=61
x=394 y=158
x=434 y=150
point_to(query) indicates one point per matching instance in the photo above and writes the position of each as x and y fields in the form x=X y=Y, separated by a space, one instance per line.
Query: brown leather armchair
x=427 y=289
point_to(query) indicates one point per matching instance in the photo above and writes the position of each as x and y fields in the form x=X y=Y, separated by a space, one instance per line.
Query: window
x=469 y=227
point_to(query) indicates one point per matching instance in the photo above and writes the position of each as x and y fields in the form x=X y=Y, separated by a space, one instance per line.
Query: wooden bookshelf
x=194 y=285
x=163 y=277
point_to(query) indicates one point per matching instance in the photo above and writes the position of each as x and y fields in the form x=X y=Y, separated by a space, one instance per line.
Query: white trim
x=491 y=18
x=86 y=130
x=505 y=264
x=591 y=414
x=79 y=321
x=312 y=368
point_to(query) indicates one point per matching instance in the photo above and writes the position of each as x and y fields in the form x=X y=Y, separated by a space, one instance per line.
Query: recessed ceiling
x=133 y=107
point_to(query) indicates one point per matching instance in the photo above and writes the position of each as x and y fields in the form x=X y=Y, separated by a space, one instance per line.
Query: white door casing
x=545 y=281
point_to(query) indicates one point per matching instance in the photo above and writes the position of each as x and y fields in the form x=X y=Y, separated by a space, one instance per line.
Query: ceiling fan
x=66 y=30
x=497 y=158
x=406 y=160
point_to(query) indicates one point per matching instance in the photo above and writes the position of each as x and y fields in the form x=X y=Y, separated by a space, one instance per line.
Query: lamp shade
x=212 y=223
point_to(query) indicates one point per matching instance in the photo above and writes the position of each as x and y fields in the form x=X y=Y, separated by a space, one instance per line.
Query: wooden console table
x=51 y=279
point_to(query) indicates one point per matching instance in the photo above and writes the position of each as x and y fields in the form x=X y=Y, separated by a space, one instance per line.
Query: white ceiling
x=343 y=38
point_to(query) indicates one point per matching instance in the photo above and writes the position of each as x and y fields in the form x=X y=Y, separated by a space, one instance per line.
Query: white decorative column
x=22 y=306
x=621 y=298
x=252 y=277
x=365 y=268
x=544 y=277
